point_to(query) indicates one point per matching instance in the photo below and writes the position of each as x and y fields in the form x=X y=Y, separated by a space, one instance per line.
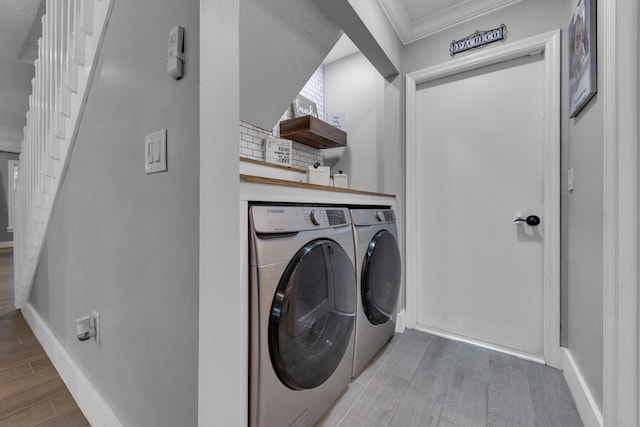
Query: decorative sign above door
x=477 y=39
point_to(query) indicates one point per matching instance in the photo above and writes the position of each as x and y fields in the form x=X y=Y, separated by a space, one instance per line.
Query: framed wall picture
x=583 y=67
x=304 y=107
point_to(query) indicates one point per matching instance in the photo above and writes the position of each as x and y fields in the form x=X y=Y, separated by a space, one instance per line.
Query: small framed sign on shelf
x=277 y=151
x=302 y=106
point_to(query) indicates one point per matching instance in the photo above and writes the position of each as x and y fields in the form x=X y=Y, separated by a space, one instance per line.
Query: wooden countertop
x=283 y=182
x=272 y=165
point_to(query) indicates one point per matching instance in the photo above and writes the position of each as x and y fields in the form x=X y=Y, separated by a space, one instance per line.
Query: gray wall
x=125 y=243
x=353 y=86
x=524 y=19
x=374 y=155
x=5 y=236
x=582 y=210
x=584 y=215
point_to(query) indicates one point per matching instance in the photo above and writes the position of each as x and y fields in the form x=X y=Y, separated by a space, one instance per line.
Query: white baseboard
x=401 y=323
x=6 y=245
x=92 y=405
x=586 y=404
x=455 y=337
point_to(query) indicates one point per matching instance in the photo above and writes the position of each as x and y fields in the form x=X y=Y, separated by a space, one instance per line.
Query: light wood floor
x=424 y=380
x=31 y=391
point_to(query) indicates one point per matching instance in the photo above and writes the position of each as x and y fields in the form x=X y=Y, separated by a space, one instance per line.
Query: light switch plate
x=155 y=152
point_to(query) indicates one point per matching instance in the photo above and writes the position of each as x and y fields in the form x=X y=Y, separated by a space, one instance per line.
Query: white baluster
x=44 y=86
x=59 y=118
x=40 y=127
x=55 y=105
x=50 y=92
x=78 y=36
x=65 y=94
x=87 y=17
x=72 y=66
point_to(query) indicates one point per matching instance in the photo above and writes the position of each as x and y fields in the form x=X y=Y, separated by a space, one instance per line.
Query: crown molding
x=11 y=147
x=411 y=30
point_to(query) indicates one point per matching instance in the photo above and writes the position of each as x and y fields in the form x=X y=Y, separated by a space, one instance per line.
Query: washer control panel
x=284 y=219
x=331 y=217
x=337 y=216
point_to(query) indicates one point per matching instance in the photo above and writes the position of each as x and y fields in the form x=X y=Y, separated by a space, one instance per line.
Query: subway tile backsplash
x=252 y=138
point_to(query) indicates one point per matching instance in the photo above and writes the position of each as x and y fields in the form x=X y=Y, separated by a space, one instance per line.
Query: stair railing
x=72 y=32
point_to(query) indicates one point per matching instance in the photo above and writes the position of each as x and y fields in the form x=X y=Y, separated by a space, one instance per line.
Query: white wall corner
x=376 y=19
x=621 y=386
x=93 y=406
x=359 y=23
x=586 y=404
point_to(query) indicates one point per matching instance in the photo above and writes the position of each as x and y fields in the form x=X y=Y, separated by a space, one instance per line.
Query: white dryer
x=379 y=270
x=302 y=312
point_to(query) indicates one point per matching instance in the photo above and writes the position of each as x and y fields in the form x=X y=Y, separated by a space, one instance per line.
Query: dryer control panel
x=372 y=216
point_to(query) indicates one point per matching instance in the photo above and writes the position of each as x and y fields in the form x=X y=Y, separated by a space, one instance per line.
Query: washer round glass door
x=312 y=315
x=380 y=281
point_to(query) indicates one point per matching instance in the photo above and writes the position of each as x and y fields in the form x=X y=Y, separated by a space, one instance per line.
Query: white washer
x=379 y=270
x=302 y=308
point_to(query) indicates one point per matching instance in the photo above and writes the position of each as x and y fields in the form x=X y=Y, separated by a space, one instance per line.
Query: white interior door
x=480 y=157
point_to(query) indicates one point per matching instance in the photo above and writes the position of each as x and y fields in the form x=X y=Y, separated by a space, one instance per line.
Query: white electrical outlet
x=95 y=324
x=89 y=327
x=84 y=328
x=570 y=180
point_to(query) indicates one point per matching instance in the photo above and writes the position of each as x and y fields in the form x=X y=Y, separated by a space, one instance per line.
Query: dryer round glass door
x=380 y=280
x=312 y=315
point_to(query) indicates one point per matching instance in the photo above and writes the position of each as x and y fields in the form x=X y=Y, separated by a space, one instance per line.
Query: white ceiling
x=19 y=32
x=16 y=18
x=415 y=19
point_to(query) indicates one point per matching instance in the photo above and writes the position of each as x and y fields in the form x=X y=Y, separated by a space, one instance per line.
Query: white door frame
x=621 y=214
x=548 y=43
x=223 y=304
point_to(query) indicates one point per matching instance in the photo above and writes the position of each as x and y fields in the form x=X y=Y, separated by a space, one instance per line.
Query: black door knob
x=533 y=220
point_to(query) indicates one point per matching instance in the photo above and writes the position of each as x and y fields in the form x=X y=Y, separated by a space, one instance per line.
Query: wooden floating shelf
x=309 y=130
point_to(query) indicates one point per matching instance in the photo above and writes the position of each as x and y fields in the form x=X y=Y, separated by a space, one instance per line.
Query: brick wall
x=252 y=137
